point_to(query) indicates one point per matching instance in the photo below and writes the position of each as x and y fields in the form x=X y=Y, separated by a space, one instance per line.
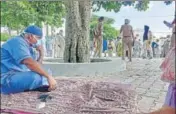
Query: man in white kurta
x=59 y=45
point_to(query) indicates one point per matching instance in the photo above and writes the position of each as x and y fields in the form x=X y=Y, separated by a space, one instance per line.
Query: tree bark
x=77 y=31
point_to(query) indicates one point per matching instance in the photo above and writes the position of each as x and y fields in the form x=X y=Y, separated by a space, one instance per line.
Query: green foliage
x=50 y=12
x=18 y=14
x=109 y=31
x=116 y=5
x=15 y=14
x=4 y=36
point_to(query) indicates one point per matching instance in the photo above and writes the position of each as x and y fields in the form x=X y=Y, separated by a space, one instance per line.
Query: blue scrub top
x=13 y=52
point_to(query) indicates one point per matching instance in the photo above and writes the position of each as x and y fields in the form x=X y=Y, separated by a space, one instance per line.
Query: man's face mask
x=33 y=41
x=37 y=41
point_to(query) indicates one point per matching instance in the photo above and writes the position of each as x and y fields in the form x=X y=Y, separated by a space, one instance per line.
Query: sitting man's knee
x=35 y=76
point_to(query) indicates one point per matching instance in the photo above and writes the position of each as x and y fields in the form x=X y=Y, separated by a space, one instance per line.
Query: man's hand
x=35 y=66
x=39 y=48
x=52 y=83
x=41 y=53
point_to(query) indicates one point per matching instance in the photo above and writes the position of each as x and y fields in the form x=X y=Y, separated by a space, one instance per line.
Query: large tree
x=78 y=21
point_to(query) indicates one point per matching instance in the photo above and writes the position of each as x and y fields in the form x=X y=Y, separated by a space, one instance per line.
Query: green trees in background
x=18 y=14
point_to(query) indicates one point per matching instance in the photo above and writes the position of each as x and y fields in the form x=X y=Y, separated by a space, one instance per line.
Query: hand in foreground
x=52 y=83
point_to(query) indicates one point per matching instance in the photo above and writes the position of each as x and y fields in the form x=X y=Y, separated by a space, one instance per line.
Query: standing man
x=49 y=46
x=105 y=47
x=59 y=45
x=147 y=41
x=110 y=48
x=128 y=38
x=140 y=48
x=165 y=47
x=19 y=70
x=98 y=37
x=157 y=49
x=136 y=47
x=154 y=45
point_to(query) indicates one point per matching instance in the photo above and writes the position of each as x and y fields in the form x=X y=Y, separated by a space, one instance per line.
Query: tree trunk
x=77 y=31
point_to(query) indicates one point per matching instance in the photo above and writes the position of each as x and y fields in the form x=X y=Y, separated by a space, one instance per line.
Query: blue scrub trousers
x=15 y=82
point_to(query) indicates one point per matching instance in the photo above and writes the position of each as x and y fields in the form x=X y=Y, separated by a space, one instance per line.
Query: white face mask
x=34 y=44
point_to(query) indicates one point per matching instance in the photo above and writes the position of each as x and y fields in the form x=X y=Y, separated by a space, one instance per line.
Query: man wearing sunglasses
x=19 y=70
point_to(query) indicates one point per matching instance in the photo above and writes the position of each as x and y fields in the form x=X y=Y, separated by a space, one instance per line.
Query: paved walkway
x=144 y=75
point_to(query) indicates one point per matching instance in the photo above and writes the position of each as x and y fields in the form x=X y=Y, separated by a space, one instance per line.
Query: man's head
x=101 y=19
x=146 y=27
x=127 y=21
x=33 y=34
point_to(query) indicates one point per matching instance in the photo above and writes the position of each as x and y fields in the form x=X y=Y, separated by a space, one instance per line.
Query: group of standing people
x=128 y=44
x=55 y=45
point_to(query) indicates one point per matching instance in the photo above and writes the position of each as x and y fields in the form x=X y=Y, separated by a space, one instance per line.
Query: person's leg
x=150 y=53
x=123 y=49
x=130 y=48
x=96 y=48
x=22 y=81
x=100 y=47
x=110 y=53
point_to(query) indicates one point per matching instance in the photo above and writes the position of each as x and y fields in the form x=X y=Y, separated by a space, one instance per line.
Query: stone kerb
x=59 y=68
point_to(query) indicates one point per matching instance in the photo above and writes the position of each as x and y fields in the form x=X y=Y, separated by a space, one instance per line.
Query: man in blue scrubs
x=19 y=70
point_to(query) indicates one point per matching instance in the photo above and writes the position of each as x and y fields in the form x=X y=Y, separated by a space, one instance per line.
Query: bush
x=4 y=36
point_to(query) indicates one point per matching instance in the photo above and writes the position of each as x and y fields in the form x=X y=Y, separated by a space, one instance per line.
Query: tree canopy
x=18 y=14
x=116 y=5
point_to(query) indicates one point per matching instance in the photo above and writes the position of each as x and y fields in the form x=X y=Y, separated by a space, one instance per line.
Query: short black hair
x=101 y=18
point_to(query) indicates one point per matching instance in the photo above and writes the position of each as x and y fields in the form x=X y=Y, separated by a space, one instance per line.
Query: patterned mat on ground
x=78 y=96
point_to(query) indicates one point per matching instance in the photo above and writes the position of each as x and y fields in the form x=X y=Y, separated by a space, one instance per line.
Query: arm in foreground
x=34 y=66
